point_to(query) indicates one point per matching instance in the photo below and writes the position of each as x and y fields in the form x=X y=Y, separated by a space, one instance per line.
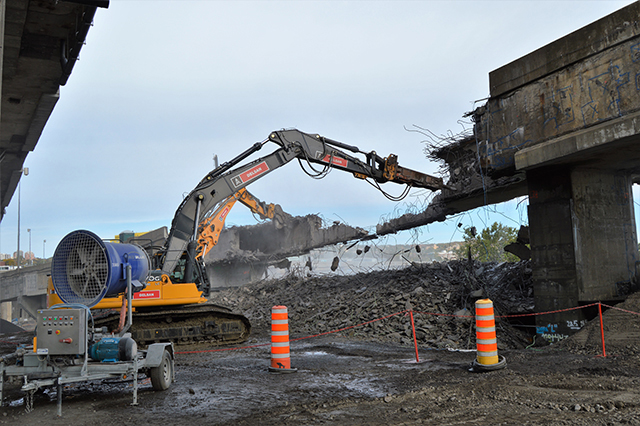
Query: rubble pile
x=621 y=331
x=442 y=296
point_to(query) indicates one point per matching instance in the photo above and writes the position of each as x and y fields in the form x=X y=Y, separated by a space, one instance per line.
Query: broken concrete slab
x=244 y=252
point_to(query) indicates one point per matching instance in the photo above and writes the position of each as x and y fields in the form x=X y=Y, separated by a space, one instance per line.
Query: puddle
x=316 y=353
x=333 y=383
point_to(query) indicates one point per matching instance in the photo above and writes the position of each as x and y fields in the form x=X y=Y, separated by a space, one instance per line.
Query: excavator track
x=203 y=323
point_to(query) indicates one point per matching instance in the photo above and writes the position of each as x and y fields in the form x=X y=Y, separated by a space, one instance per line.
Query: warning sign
x=224 y=213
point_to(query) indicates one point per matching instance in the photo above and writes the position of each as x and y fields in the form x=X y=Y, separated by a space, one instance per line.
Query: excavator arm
x=210 y=227
x=232 y=176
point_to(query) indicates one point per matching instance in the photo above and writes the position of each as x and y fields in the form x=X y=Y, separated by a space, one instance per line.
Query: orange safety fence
x=411 y=313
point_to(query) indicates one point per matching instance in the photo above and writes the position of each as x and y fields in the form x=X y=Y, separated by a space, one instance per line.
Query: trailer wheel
x=162 y=375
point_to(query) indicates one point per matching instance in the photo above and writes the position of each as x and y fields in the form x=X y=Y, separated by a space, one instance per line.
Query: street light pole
x=30 y=257
x=43 y=252
x=24 y=170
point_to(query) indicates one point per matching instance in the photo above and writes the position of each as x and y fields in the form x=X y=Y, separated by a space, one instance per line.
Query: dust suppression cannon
x=67 y=347
x=86 y=269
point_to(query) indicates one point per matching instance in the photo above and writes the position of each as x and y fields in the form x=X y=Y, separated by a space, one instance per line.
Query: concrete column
x=583 y=243
x=6 y=311
x=604 y=226
x=552 y=252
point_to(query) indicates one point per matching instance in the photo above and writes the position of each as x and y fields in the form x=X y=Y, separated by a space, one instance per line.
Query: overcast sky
x=162 y=86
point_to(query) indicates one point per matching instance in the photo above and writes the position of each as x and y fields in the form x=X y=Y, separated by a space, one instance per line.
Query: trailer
x=67 y=347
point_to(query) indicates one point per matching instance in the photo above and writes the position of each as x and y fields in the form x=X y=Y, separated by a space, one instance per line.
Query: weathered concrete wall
x=588 y=77
x=27 y=281
x=589 y=40
x=605 y=233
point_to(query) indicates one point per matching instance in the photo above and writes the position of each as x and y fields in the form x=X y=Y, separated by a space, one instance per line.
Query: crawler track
x=187 y=324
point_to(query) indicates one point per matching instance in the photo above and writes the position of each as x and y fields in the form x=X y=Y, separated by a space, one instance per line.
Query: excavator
x=173 y=305
x=231 y=328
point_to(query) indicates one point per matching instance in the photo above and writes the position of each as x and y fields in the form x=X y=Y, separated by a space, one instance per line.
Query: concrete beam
x=595 y=85
x=612 y=143
x=265 y=242
x=244 y=252
x=594 y=38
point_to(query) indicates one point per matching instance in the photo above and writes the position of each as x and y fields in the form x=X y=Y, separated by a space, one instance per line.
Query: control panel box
x=61 y=332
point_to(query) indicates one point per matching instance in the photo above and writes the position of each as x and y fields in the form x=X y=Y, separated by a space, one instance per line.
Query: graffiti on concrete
x=594 y=90
x=576 y=324
x=550 y=333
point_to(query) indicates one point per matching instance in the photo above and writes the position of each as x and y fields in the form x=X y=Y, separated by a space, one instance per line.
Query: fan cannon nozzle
x=86 y=269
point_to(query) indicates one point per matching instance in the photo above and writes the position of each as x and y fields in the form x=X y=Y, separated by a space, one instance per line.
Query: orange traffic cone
x=487 y=358
x=280 y=355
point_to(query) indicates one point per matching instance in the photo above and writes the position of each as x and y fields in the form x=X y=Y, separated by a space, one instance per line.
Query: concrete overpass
x=561 y=126
x=40 y=43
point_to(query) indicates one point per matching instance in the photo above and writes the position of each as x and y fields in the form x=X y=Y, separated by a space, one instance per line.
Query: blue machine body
x=105 y=350
x=113 y=349
x=86 y=269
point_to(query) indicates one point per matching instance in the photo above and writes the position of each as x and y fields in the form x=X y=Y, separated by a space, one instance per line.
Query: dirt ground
x=342 y=381
x=369 y=375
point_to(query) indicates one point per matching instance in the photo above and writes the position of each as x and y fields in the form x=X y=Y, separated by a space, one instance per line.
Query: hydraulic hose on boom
x=225 y=180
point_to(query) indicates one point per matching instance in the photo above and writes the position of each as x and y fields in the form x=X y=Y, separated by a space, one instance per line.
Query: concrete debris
x=519 y=248
x=335 y=263
x=265 y=242
x=471 y=187
x=243 y=253
x=321 y=304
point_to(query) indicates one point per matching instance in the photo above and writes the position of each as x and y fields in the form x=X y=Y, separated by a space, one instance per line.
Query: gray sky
x=161 y=86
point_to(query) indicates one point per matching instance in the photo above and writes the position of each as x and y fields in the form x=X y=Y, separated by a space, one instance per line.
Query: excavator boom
x=226 y=180
x=174 y=305
x=210 y=227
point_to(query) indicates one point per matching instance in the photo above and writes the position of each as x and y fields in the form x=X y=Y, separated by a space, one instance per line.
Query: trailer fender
x=155 y=352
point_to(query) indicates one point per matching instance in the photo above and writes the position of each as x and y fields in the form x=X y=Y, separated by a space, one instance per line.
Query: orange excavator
x=173 y=305
x=165 y=292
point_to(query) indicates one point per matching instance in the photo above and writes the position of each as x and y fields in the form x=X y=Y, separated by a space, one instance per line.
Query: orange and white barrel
x=486 y=341
x=280 y=354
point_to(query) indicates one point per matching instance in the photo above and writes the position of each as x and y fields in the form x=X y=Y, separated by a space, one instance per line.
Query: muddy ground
x=371 y=377
x=344 y=382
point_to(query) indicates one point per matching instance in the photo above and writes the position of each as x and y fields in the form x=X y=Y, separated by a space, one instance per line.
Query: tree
x=488 y=246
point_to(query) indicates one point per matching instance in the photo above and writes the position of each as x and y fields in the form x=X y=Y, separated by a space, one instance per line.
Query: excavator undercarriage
x=203 y=323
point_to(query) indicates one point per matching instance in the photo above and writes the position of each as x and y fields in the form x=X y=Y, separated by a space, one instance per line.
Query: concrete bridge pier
x=561 y=125
x=6 y=311
x=583 y=242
